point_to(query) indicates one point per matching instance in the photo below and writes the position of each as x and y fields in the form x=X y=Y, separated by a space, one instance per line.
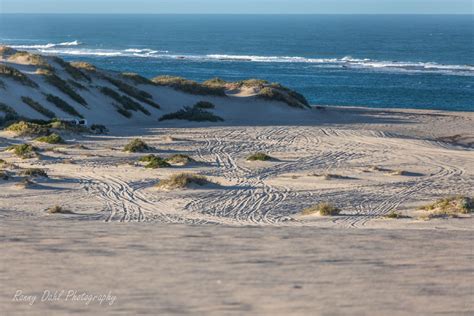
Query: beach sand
x=241 y=247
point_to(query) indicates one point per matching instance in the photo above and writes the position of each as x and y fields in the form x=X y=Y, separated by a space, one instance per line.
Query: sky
x=240 y=6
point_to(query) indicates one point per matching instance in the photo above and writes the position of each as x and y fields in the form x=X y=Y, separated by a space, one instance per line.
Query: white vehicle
x=81 y=122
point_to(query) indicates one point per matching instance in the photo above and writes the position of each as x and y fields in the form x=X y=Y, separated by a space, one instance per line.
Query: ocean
x=395 y=61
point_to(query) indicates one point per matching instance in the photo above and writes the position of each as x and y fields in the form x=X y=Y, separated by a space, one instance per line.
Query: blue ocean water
x=408 y=61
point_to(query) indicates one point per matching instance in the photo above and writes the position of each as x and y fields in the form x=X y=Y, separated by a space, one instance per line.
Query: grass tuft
x=24 y=151
x=180 y=159
x=182 y=180
x=323 y=209
x=51 y=139
x=259 y=157
x=188 y=86
x=154 y=162
x=136 y=146
x=24 y=128
x=449 y=207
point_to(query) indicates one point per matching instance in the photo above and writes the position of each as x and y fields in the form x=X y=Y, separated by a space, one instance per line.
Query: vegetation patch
x=24 y=151
x=51 y=139
x=204 y=105
x=24 y=128
x=183 y=180
x=58 y=210
x=63 y=105
x=74 y=72
x=260 y=157
x=323 y=209
x=38 y=107
x=252 y=83
x=13 y=73
x=449 y=207
x=34 y=173
x=138 y=94
x=63 y=86
x=216 y=83
x=192 y=114
x=83 y=65
x=394 y=215
x=30 y=59
x=292 y=98
x=180 y=159
x=9 y=114
x=126 y=102
x=99 y=129
x=154 y=162
x=188 y=86
x=137 y=146
x=136 y=78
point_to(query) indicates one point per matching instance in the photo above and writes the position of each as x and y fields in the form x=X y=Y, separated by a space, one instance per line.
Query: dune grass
x=126 y=102
x=63 y=105
x=192 y=114
x=34 y=173
x=51 y=139
x=83 y=65
x=183 y=180
x=180 y=159
x=204 y=105
x=24 y=151
x=291 y=98
x=188 y=86
x=137 y=146
x=38 y=107
x=260 y=157
x=24 y=128
x=154 y=162
x=9 y=114
x=323 y=209
x=449 y=207
x=136 y=78
x=63 y=86
x=18 y=76
x=74 y=72
x=30 y=59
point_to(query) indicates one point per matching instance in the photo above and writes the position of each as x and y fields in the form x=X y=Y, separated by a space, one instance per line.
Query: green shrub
x=259 y=157
x=12 y=73
x=324 y=209
x=63 y=105
x=23 y=128
x=182 y=180
x=34 y=172
x=38 y=107
x=179 y=159
x=63 y=86
x=51 y=139
x=99 y=129
x=126 y=102
x=204 y=105
x=450 y=206
x=188 y=86
x=154 y=162
x=192 y=114
x=136 y=146
x=74 y=72
x=138 y=94
x=24 y=151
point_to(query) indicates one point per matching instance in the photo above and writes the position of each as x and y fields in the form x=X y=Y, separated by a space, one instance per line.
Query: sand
x=241 y=247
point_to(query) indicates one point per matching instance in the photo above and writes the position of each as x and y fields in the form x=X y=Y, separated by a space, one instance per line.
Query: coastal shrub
x=13 y=73
x=216 y=83
x=192 y=114
x=136 y=146
x=126 y=102
x=272 y=94
x=138 y=94
x=77 y=85
x=252 y=83
x=74 y=72
x=324 y=209
x=259 y=157
x=66 y=126
x=58 y=210
x=23 y=151
x=99 y=129
x=51 y=139
x=180 y=159
x=34 y=173
x=64 y=87
x=136 y=78
x=450 y=207
x=30 y=59
x=63 y=105
x=188 y=86
x=204 y=105
x=124 y=112
x=182 y=180
x=154 y=162
x=83 y=65
x=24 y=128
x=38 y=107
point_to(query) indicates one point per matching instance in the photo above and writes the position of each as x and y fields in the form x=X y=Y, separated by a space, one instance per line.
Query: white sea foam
x=347 y=62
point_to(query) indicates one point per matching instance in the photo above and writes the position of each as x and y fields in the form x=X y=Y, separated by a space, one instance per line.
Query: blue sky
x=238 y=6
